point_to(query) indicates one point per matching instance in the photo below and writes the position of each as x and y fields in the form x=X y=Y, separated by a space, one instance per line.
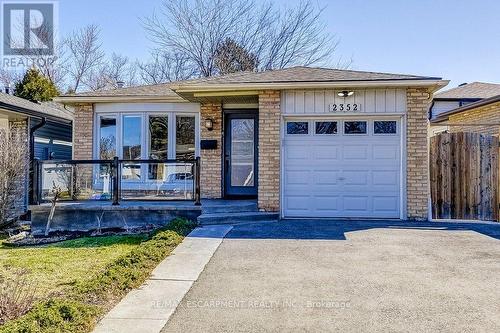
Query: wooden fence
x=464 y=171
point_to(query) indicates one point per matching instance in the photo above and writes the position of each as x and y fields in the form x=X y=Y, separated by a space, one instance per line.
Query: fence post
x=197 y=179
x=116 y=181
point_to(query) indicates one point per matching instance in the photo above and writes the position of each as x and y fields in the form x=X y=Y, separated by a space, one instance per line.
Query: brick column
x=269 y=150
x=211 y=160
x=417 y=178
x=83 y=132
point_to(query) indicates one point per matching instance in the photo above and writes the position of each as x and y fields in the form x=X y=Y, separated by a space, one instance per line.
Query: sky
x=458 y=40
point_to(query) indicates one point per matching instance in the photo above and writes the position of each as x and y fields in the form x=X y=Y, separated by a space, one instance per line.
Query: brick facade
x=269 y=150
x=417 y=178
x=83 y=132
x=481 y=116
x=211 y=160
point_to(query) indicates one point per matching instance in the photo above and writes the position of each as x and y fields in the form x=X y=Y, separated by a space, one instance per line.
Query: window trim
x=356 y=134
x=386 y=134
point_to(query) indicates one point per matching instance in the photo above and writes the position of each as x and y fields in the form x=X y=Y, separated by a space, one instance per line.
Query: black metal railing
x=116 y=180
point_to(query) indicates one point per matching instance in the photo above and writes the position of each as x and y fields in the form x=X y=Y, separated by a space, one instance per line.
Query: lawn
x=55 y=268
x=77 y=281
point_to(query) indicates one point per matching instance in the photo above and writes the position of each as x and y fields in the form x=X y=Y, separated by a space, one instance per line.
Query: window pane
x=297 y=127
x=355 y=127
x=107 y=140
x=326 y=127
x=185 y=138
x=131 y=147
x=385 y=127
x=242 y=152
x=131 y=137
x=158 y=146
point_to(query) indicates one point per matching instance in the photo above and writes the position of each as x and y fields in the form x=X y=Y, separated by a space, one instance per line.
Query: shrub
x=17 y=296
x=55 y=316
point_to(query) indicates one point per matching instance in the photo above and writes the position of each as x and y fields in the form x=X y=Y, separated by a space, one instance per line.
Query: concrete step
x=235 y=218
x=230 y=207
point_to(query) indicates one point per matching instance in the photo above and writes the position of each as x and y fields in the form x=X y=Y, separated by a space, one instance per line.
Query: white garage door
x=342 y=168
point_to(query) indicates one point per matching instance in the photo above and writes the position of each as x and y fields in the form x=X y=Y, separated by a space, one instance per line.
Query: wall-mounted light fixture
x=209 y=124
x=345 y=93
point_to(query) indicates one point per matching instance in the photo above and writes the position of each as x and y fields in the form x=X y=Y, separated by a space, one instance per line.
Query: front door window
x=242 y=152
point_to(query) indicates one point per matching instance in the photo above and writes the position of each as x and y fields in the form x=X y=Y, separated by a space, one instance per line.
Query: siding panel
x=318 y=101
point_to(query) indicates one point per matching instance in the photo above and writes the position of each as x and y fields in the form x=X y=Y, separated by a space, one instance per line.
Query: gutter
x=32 y=113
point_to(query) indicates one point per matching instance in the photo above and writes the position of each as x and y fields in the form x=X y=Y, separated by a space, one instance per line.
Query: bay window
x=148 y=135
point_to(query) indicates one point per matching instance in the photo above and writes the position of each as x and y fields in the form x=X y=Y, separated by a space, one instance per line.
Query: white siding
x=312 y=102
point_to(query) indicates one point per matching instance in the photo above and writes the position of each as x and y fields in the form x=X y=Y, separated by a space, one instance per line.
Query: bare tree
x=13 y=167
x=85 y=55
x=164 y=67
x=196 y=29
x=8 y=78
x=107 y=75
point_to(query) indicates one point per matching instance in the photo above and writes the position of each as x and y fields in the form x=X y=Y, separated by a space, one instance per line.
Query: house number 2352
x=345 y=107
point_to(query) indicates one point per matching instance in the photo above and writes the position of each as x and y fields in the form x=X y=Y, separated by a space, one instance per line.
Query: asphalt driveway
x=323 y=276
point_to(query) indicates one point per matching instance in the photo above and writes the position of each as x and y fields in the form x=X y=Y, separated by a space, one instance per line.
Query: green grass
x=81 y=279
x=54 y=268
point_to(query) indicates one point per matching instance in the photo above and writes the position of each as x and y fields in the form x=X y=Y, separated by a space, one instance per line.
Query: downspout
x=32 y=156
x=32 y=137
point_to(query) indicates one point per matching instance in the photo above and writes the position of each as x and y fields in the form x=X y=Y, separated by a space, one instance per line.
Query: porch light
x=209 y=124
x=345 y=93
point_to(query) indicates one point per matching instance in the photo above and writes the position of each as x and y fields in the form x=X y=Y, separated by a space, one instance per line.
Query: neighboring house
x=306 y=142
x=48 y=128
x=481 y=117
x=455 y=98
x=462 y=95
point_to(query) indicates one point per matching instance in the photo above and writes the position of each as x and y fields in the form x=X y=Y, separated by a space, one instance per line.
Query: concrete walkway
x=147 y=309
x=348 y=276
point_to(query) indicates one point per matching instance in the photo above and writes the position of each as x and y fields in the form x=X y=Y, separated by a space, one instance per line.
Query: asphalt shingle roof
x=302 y=74
x=472 y=90
x=143 y=91
x=293 y=74
x=44 y=109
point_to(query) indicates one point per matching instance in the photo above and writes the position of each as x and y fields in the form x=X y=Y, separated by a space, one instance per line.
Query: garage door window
x=384 y=127
x=355 y=127
x=297 y=127
x=326 y=127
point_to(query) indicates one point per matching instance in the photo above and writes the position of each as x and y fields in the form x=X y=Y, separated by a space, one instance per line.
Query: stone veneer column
x=83 y=131
x=269 y=150
x=211 y=160
x=417 y=178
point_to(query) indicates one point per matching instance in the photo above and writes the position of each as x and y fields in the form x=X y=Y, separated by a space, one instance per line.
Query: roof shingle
x=474 y=90
x=44 y=109
x=302 y=74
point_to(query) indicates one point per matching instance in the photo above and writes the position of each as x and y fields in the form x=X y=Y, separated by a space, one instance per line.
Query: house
x=306 y=142
x=48 y=128
x=455 y=98
x=462 y=95
x=482 y=116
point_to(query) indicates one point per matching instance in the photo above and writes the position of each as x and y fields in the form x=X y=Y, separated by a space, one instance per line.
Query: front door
x=240 y=154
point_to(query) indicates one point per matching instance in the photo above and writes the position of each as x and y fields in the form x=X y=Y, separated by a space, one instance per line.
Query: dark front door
x=240 y=154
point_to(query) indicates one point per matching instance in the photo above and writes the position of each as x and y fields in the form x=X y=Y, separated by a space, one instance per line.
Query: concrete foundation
x=93 y=216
